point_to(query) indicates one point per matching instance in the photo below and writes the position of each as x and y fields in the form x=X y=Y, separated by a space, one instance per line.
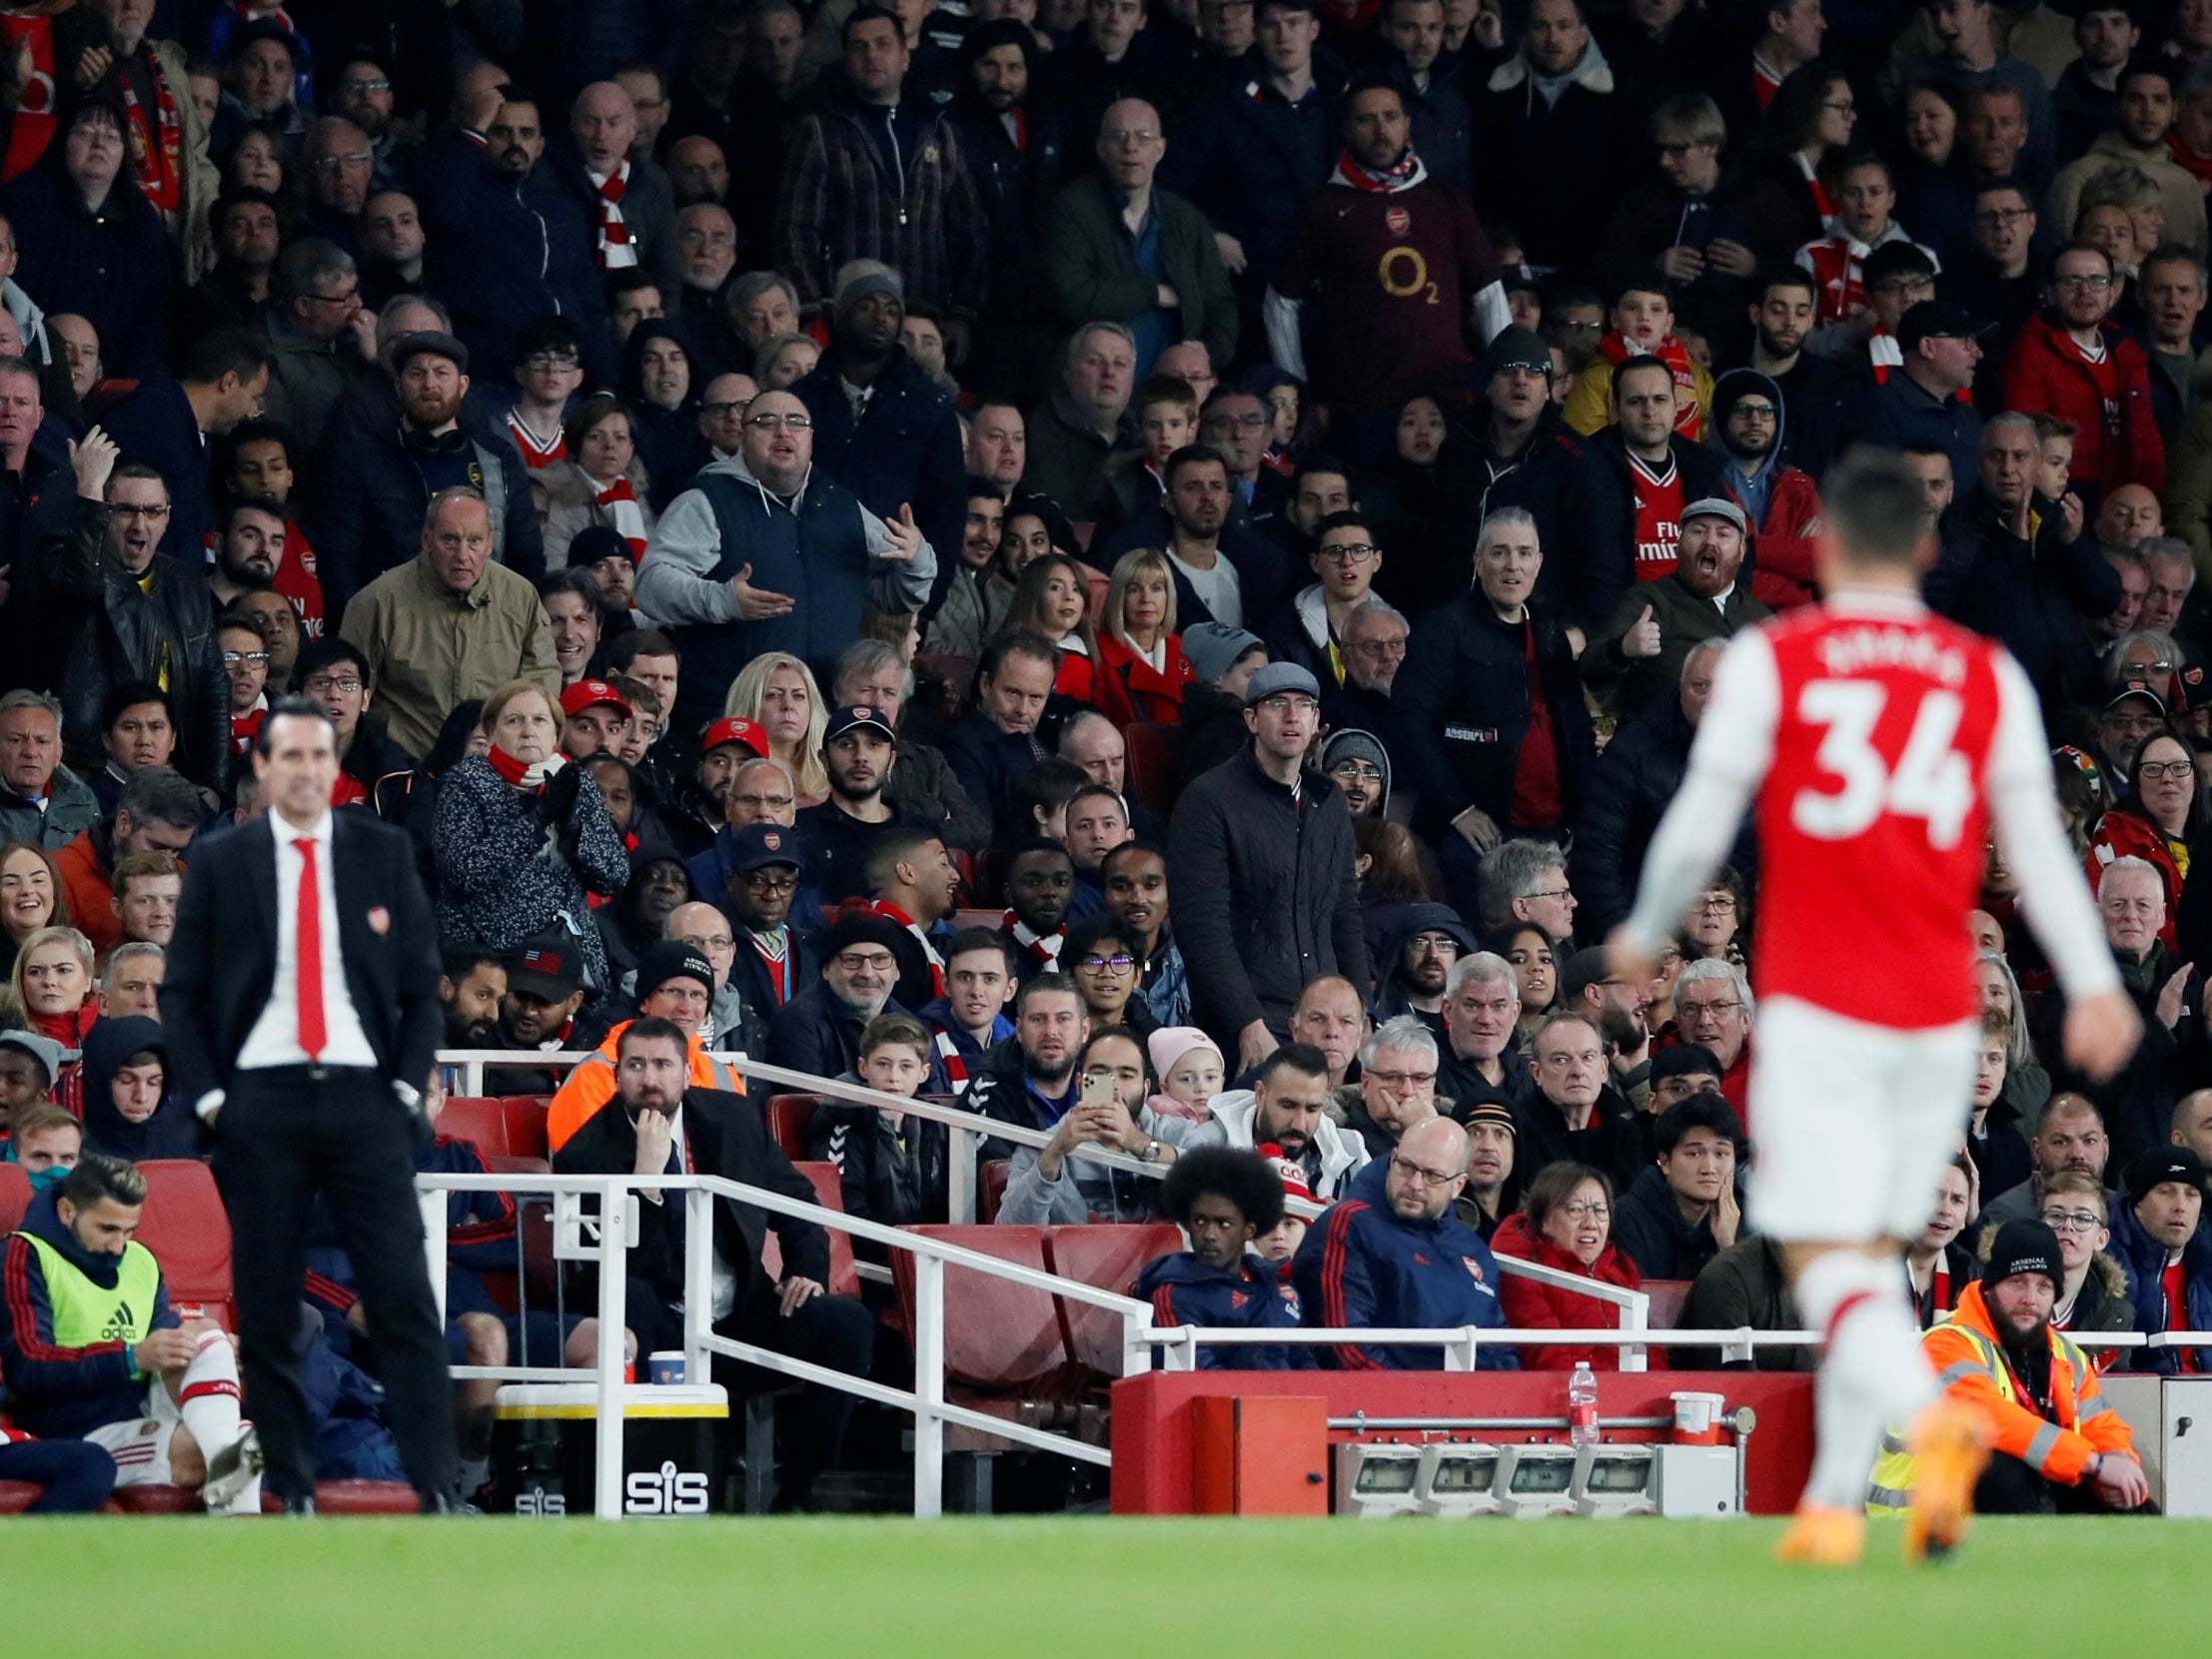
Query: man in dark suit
x=301 y=1009
x=665 y=1128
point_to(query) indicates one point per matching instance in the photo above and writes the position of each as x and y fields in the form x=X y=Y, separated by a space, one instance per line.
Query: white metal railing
x=579 y=1237
x=967 y=1131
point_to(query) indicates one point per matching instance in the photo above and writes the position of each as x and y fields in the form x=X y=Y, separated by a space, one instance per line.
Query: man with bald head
x=625 y=196
x=1112 y=234
x=705 y=929
x=1394 y=1253
x=2069 y=1139
x=1332 y=1017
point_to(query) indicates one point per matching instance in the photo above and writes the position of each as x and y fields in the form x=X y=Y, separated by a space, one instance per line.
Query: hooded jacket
x=55 y=1390
x=1390 y=994
x=1529 y=144
x=1335 y=1155
x=1533 y=1306
x=819 y=545
x=1650 y=1229
x=903 y=450
x=1361 y=1264
x=1337 y=736
x=172 y=1131
x=2116 y=442
x=2144 y=1257
x=1782 y=503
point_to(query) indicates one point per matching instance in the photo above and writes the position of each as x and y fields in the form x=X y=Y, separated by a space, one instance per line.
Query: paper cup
x=1696 y=1419
x=666 y=1368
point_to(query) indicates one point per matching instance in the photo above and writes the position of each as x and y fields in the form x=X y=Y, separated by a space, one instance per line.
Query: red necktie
x=309 y=990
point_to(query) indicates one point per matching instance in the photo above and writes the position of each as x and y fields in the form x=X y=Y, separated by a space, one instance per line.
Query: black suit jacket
x=727 y=1136
x=223 y=961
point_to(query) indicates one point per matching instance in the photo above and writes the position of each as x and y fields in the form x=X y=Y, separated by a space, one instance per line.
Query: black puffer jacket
x=1265 y=898
x=1462 y=704
x=1630 y=789
x=136 y=634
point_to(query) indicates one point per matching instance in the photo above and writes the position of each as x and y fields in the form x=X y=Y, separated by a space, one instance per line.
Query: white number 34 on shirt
x=1931 y=780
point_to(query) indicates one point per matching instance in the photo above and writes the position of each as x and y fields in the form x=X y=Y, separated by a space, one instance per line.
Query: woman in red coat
x=1053 y=598
x=1565 y=1222
x=1139 y=643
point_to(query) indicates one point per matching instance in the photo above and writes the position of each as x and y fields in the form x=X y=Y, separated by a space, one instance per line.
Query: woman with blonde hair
x=1140 y=643
x=51 y=988
x=778 y=690
x=1052 y=598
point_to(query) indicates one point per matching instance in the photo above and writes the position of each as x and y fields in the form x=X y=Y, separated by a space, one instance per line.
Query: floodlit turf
x=1063 y=1588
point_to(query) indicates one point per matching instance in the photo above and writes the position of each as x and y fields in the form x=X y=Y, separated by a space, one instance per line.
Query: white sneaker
x=231 y=1470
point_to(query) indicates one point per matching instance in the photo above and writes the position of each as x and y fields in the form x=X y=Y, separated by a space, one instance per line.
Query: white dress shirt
x=274 y=1039
x=722 y=1276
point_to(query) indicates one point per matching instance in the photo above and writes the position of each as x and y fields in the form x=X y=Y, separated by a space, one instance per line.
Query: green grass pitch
x=1065 y=1588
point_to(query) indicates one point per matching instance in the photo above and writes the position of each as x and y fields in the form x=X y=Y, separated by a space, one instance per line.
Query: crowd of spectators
x=1146 y=566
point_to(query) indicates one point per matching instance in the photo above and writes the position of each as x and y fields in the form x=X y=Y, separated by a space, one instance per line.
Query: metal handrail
x=963 y=1125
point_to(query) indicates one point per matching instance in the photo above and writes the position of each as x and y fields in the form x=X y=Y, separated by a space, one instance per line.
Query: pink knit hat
x=1170 y=1043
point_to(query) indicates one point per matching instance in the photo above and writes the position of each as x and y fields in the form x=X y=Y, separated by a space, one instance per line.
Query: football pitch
x=1066 y=1587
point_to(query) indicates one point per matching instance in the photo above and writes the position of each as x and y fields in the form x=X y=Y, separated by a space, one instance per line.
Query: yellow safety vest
x=1890 y=1488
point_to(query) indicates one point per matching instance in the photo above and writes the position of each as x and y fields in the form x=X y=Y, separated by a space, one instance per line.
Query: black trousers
x=2010 y=1487
x=283 y=1137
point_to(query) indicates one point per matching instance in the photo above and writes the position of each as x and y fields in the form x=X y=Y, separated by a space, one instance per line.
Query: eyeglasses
x=1237 y=422
x=711 y=941
x=368 y=86
x=1717 y=904
x=339 y=164
x=2152 y=770
x=259 y=659
x=124 y=509
x=1287 y=702
x=854 y=962
x=1403 y=1080
x=1386 y=646
x=1990 y=217
x=1424 y=1177
x=722 y=412
x=1550 y=893
x=786 y=423
x=1591 y=1210
x=1841 y=106
x=1363 y=771
x=1756 y=411
x=2095 y=284
x=2072 y=1220
x=1350 y=552
x=553 y=360
x=321 y=687
x=1141 y=139
x=772 y=881
x=1686 y=1007
x=1099 y=964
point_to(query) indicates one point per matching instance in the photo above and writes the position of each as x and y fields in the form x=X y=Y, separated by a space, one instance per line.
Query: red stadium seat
x=788 y=1119
x=1001 y=1339
x=829 y=1192
x=525 y=1116
x=366 y=1497
x=990 y=1191
x=1109 y=1257
x=1155 y=758
x=15 y=1197
x=478 y=1120
x=185 y=1226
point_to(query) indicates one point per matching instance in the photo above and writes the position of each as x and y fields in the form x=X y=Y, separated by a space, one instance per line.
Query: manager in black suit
x=665 y=1128
x=303 y=1033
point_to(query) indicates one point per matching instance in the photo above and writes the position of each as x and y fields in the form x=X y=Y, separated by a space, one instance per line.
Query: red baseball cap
x=734 y=729
x=592 y=694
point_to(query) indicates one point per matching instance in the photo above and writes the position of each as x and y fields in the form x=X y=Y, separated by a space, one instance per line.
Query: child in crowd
x=1191 y=1071
x=1223 y=1198
x=891 y=1168
x=1642 y=324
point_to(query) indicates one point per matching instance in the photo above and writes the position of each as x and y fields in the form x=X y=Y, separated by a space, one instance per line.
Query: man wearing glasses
x=373 y=772
x=764 y=553
x=2071 y=364
x=1780 y=501
x=1396 y=1254
x=1311 y=633
x=1265 y=899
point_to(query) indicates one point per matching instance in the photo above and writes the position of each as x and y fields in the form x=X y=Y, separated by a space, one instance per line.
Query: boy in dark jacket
x=892 y=1170
x=1223 y=1198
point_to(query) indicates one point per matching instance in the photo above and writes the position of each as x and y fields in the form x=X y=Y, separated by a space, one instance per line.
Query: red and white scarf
x=157 y=141
x=619 y=503
x=1401 y=174
x=892 y=914
x=955 y=1064
x=1043 y=948
x=615 y=250
x=246 y=727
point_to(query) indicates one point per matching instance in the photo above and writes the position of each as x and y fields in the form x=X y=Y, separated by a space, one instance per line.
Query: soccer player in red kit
x=1882 y=745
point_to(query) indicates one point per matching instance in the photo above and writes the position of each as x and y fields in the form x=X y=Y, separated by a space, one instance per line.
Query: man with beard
x=378 y=485
x=1031 y=1082
x=837 y=837
x=544 y=988
x=819 y=1031
x=882 y=427
x=1395 y=267
x=1781 y=504
x=1417 y=961
x=1620 y=1011
x=700 y=808
x=1492 y=1135
x=1287 y=1105
x=1639 y=655
x=251 y=551
x=2058 y=1448
x=242 y=223
x=507 y=243
x=255 y=464
x=471 y=986
x=1135 y=880
x=1010 y=136
x=668 y=1125
x=1814 y=390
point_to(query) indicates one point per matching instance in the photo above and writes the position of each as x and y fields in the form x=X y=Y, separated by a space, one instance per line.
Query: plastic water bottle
x=1582 y=1406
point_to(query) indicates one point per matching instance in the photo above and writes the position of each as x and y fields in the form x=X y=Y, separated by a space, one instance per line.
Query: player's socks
x=208 y=1397
x=1873 y=1376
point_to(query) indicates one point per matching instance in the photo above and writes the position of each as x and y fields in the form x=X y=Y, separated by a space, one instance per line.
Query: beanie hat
x=1352 y=743
x=671 y=959
x=862 y=277
x=1215 y=647
x=2023 y=1247
x=1170 y=1043
x=1684 y=1059
x=1288 y=1171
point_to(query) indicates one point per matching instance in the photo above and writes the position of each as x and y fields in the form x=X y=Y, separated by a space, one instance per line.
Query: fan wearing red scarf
x=1390 y=278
